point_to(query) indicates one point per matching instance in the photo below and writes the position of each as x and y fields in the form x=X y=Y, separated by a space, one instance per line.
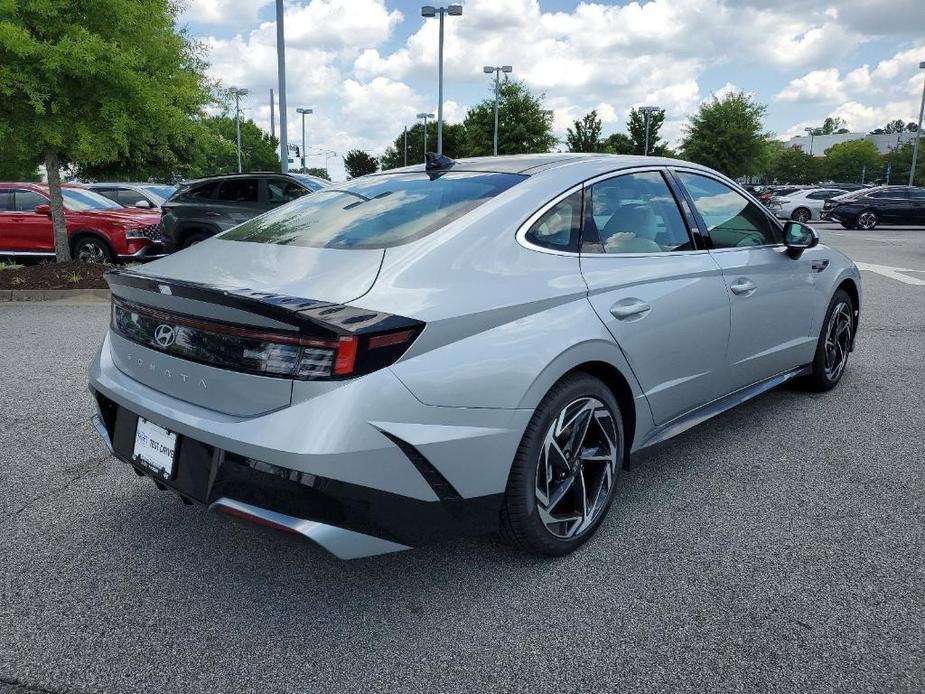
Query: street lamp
x=238 y=93
x=304 y=112
x=497 y=69
x=425 y=116
x=918 y=132
x=281 y=73
x=454 y=10
x=647 y=110
x=812 y=134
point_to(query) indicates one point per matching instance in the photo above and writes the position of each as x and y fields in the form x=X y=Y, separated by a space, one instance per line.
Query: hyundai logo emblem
x=164 y=335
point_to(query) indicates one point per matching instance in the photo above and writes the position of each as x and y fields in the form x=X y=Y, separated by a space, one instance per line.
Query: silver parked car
x=146 y=195
x=462 y=347
x=803 y=205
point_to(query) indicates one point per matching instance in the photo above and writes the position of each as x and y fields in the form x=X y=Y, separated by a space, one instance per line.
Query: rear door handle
x=742 y=286
x=629 y=308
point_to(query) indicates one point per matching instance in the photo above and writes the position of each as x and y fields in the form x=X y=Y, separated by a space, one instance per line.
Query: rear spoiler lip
x=306 y=316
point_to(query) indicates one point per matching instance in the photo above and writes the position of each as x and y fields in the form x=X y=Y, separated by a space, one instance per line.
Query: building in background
x=820 y=143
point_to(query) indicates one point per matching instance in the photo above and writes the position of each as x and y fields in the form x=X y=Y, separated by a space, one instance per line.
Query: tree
x=618 y=143
x=454 y=145
x=523 y=126
x=206 y=147
x=636 y=125
x=726 y=134
x=359 y=163
x=848 y=162
x=586 y=137
x=82 y=81
x=317 y=172
x=793 y=165
x=900 y=162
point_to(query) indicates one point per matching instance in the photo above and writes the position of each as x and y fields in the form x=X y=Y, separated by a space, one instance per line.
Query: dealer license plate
x=154 y=446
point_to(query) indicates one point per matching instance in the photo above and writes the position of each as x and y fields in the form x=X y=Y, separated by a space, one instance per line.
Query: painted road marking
x=894 y=273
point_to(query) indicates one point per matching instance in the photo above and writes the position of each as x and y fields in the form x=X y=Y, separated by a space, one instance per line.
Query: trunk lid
x=230 y=284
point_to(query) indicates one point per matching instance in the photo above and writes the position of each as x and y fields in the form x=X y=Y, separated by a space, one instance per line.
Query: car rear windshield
x=375 y=211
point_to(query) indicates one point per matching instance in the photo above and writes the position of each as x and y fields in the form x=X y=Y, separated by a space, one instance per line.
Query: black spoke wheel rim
x=576 y=469
x=837 y=341
x=91 y=252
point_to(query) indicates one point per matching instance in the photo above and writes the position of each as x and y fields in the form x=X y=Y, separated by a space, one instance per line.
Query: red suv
x=99 y=229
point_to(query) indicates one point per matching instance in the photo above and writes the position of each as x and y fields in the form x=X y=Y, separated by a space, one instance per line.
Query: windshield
x=376 y=211
x=81 y=200
x=163 y=192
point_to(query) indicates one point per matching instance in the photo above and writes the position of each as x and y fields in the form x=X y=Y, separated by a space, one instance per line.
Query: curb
x=83 y=296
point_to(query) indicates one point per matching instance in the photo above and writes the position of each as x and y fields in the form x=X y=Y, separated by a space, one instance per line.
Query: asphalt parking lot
x=778 y=548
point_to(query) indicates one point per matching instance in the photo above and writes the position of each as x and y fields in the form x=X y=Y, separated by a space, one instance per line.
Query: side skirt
x=711 y=409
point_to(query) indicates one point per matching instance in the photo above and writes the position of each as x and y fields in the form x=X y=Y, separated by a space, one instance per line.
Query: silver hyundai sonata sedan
x=463 y=346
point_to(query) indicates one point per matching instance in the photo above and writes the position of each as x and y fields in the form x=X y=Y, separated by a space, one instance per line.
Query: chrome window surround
x=524 y=228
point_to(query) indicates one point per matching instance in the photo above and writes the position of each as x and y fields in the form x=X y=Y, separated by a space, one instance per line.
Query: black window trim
x=775 y=223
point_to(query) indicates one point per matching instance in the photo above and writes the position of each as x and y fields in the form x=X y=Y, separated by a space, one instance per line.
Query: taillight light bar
x=257 y=351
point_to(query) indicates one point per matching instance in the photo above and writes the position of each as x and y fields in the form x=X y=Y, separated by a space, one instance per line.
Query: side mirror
x=43 y=209
x=798 y=237
x=144 y=204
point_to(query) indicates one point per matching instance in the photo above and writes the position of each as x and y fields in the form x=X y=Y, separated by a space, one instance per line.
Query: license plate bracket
x=155 y=448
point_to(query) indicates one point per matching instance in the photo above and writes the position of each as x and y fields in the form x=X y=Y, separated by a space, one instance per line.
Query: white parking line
x=894 y=273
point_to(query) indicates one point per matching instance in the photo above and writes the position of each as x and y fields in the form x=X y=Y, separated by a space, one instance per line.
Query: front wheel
x=834 y=344
x=868 y=220
x=90 y=249
x=565 y=471
x=801 y=214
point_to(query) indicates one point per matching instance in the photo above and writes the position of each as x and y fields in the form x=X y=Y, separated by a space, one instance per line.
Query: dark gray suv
x=203 y=208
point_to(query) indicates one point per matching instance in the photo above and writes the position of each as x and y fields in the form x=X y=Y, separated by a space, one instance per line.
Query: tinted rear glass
x=374 y=212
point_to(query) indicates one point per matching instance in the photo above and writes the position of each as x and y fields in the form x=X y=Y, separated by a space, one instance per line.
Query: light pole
x=331 y=153
x=425 y=116
x=406 y=145
x=304 y=112
x=281 y=70
x=238 y=93
x=647 y=110
x=918 y=132
x=812 y=134
x=454 y=10
x=497 y=69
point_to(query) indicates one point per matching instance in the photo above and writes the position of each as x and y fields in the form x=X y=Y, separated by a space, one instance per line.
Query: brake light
x=268 y=353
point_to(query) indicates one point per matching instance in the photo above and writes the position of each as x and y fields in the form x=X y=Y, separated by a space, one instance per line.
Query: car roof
x=528 y=164
x=243 y=174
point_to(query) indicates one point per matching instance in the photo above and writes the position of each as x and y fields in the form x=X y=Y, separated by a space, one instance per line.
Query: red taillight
x=346 y=356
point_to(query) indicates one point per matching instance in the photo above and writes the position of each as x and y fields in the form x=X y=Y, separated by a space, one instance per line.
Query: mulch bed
x=70 y=275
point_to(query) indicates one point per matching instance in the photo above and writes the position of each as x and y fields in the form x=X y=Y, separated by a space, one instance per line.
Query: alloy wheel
x=801 y=215
x=867 y=220
x=837 y=341
x=576 y=470
x=91 y=252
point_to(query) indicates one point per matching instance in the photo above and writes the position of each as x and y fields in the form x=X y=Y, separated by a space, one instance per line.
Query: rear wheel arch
x=617 y=383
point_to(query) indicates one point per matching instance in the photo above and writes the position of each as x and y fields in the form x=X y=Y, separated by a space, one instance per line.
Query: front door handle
x=820 y=265
x=629 y=308
x=742 y=287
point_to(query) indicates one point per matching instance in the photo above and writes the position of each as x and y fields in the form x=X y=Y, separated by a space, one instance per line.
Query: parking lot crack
x=77 y=474
x=14 y=686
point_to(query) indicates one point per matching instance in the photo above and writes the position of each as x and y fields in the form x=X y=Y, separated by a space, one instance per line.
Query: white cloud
x=224 y=13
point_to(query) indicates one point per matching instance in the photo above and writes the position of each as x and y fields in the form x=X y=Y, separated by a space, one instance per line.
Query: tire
x=801 y=214
x=193 y=239
x=823 y=376
x=528 y=498
x=867 y=220
x=92 y=249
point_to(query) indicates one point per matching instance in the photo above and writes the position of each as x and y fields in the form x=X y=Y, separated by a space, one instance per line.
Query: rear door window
x=635 y=213
x=281 y=191
x=6 y=200
x=204 y=191
x=375 y=211
x=26 y=200
x=238 y=190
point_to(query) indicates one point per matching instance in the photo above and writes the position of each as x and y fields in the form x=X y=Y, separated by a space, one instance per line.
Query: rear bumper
x=361 y=468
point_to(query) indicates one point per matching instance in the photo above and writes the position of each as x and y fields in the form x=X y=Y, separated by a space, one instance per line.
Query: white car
x=804 y=204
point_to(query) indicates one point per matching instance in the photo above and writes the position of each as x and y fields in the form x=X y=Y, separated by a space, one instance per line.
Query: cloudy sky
x=367 y=67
